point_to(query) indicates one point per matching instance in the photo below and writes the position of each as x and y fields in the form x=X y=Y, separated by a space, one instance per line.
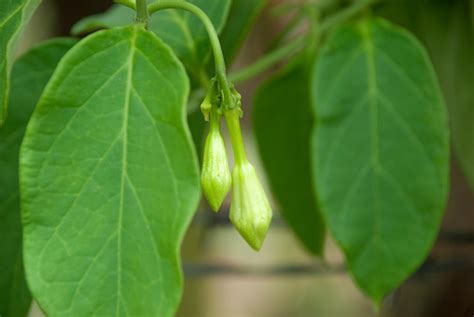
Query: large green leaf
x=13 y=16
x=109 y=180
x=446 y=28
x=380 y=151
x=282 y=124
x=181 y=30
x=242 y=16
x=32 y=71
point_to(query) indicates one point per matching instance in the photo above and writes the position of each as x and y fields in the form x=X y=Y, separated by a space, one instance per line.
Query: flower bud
x=250 y=211
x=206 y=107
x=215 y=176
x=212 y=99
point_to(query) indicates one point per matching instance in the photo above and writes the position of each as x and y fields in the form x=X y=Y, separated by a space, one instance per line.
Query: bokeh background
x=225 y=278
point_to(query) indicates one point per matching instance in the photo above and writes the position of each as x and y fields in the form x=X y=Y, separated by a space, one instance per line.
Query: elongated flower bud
x=250 y=211
x=215 y=176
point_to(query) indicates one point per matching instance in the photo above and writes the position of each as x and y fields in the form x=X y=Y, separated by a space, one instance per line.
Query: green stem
x=267 y=61
x=142 y=12
x=214 y=120
x=213 y=37
x=232 y=119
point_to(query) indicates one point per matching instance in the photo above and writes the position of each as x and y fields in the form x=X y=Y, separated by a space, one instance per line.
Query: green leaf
x=380 y=151
x=446 y=29
x=29 y=76
x=109 y=180
x=181 y=30
x=242 y=16
x=13 y=16
x=284 y=101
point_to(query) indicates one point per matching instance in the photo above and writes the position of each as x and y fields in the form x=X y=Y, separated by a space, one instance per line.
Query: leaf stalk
x=142 y=12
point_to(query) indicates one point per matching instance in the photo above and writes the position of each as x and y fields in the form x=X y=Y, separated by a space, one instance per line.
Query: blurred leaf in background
x=30 y=75
x=14 y=14
x=282 y=122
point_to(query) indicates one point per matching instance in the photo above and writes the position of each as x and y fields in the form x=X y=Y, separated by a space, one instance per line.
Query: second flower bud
x=215 y=176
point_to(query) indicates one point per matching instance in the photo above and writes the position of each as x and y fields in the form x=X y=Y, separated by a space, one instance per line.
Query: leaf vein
x=11 y=15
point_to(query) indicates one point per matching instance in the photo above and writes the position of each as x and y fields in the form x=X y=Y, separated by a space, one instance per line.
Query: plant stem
x=214 y=40
x=142 y=12
x=232 y=119
x=267 y=61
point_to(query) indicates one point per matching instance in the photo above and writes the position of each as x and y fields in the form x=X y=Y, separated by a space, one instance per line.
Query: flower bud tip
x=250 y=211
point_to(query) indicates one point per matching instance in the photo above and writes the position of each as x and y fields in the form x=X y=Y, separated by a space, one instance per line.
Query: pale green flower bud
x=206 y=107
x=215 y=176
x=250 y=211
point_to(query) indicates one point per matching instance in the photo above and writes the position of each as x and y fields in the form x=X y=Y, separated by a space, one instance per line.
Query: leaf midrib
x=373 y=118
x=124 y=176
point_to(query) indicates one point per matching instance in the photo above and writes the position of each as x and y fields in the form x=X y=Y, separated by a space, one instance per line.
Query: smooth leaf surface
x=282 y=124
x=13 y=16
x=30 y=75
x=109 y=180
x=380 y=151
x=446 y=28
x=181 y=30
x=242 y=16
